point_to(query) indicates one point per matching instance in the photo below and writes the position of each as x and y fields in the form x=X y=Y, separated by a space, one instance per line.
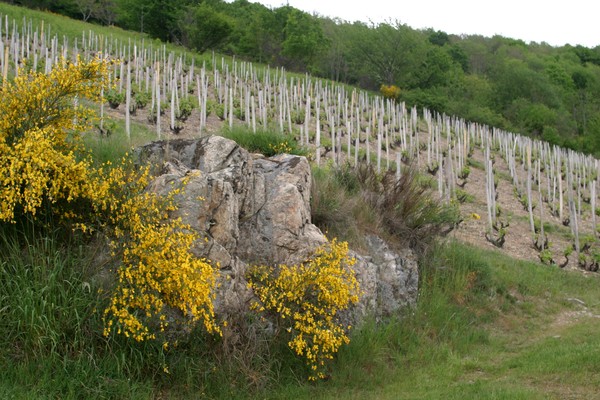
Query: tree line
x=547 y=92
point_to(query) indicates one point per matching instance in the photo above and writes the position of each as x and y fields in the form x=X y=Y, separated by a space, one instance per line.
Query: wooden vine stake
x=157 y=77
x=128 y=103
x=318 y=134
x=529 y=197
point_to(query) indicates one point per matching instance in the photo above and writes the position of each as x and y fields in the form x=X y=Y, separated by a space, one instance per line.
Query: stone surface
x=256 y=210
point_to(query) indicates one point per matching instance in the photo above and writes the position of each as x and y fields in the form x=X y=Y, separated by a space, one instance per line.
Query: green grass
x=476 y=164
x=337 y=208
x=51 y=343
x=266 y=142
x=463 y=196
x=114 y=146
x=484 y=328
x=504 y=175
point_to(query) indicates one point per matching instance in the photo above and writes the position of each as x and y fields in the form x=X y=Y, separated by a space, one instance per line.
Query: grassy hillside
x=486 y=325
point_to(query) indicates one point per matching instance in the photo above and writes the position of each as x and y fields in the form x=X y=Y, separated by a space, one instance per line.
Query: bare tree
x=106 y=11
x=87 y=8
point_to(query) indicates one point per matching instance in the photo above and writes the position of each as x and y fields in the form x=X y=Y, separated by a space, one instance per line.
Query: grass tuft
x=338 y=209
x=266 y=142
x=348 y=202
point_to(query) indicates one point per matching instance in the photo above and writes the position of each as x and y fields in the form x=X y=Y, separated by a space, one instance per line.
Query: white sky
x=551 y=21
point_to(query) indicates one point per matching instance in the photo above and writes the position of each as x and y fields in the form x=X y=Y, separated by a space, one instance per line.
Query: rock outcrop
x=256 y=210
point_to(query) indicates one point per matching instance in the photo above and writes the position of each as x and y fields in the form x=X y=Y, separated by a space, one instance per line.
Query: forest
x=530 y=88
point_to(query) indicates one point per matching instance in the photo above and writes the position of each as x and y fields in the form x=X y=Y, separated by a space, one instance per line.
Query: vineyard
x=533 y=200
x=487 y=323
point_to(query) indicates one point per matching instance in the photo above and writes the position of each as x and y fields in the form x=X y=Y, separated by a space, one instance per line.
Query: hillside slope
x=486 y=325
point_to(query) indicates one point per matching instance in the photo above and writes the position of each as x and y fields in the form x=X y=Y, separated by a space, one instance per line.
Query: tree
x=334 y=62
x=159 y=18
x=438 y=38
x=209 y=29
x=254 y=33
x=304 y=39
x=434 y=70
x=580 y=80
x=391 y=52
x=106 y=12
x=514 y=79
x=87 y=8
x=459 y=56
x=532 y=117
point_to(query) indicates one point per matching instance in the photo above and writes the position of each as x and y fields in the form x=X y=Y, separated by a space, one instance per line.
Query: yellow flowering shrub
x=390 y=91
x=306 y=298
x=158 y=271
x=44 y=168
x=38 y=146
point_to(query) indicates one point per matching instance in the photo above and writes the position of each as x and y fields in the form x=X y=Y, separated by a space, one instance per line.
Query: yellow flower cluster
x=390 y=91
x=158 y=270
x=280 y=148
x=39 y=160
x=43 y=166
x=306 y=299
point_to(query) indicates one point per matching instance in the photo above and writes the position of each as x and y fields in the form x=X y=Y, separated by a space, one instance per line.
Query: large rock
x=276 y=228
x=389 y=281
x=255 y=210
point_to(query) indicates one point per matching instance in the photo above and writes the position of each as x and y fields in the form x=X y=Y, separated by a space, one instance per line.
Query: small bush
x=186 y=106
x=333 y=206
x=464 y=197
x=152 y=114
x=305 y=299
x=114 y=98
x=349 y=201
x=158 y=270
x=390 y=91
x=142 y=99
x=219 y=110
x=464 y=172
x=108 y=127
x=407 y=210
x=41 y=163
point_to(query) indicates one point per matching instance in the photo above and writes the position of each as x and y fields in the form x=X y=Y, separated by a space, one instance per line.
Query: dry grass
x=348 y=202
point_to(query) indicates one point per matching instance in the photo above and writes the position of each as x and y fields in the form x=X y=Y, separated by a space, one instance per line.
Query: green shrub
x=152 y=114
x=336 y=207
x=186 y=106
x=108 y=127
x=219 y=110
x=463 y=196
x=349 y=201
x=142 y=99
x=305 y=299
x=114 y=98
